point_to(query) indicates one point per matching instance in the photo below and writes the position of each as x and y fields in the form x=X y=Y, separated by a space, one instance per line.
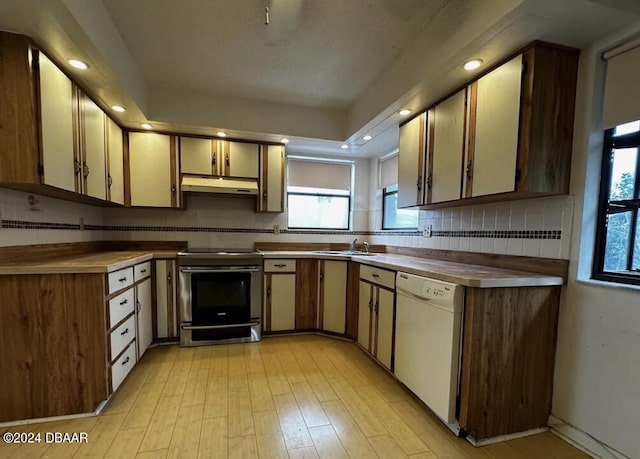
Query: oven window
x=221 y=298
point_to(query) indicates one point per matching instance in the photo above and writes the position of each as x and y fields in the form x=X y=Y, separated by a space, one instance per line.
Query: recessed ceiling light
x=344 y=146
x=146 y=126
x=118 y=108
x=284 y=140
x=78 y=64
x=221 y=134
x=404 y=111
x=472 y=64
x=367 y=137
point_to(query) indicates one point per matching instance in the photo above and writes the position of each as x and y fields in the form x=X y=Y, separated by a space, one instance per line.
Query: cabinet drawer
x=141 y=271
x=120 y=307
x=122 y=336
x=121 y=368
x=120 y=279
x=279 y=266
x=378 y=276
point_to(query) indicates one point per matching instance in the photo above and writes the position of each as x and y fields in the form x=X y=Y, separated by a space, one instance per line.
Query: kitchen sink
x=346 y=252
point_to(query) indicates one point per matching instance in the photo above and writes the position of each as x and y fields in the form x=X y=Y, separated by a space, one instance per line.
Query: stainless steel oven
x=220 y=296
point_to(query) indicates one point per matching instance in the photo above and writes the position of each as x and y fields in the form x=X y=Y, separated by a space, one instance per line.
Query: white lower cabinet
x=279 y=295
x=144 y=317
x=376 y=309
x=333 y=296
x=121 y=367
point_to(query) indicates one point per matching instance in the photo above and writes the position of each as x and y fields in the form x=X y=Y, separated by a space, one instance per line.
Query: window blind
x=319 y=174
x=388 y=171
x=622 y=91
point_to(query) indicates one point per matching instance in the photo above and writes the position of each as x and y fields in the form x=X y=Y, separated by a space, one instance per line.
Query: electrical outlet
x=276 y=229
x=81 y=224
x=426 y=232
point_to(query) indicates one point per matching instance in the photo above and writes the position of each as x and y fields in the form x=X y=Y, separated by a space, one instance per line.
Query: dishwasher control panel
x=429 y=289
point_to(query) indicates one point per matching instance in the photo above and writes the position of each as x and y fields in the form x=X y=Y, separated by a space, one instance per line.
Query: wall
x=597 y=367
x=47 y=221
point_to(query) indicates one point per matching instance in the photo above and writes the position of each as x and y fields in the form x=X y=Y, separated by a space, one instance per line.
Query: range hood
x=219 y=185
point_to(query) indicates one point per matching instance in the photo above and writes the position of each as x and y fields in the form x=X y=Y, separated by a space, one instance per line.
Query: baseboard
x=582 y=440
x=501 y=438
x=24 y=422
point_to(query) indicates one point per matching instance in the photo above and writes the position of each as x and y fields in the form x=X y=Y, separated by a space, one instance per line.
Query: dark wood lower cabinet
x=52 y=337
x=306 y=294
x=508 y=359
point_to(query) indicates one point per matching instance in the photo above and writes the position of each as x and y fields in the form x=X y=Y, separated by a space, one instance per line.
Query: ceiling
x=321 y=73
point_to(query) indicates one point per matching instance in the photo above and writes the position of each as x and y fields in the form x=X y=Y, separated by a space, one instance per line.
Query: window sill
x=609 y=284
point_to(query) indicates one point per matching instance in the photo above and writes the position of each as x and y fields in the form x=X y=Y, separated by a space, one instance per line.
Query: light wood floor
x=298 y=397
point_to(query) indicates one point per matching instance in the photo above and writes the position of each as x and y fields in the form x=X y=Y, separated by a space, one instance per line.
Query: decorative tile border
x=488 y=234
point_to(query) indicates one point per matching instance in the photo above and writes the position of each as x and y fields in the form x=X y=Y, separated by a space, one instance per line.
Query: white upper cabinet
x=242 y=160
x=197 y=156
x=447 y=125
x=496 y=130
x=94 y=164
x=115 y=162
x=57 y=126
x=152 y=170
x=411 y=162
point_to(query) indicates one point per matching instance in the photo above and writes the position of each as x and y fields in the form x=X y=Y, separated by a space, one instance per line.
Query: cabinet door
x=333 y=288
x=94 y=164
x=365 y=306
x=166 y=305
x=144 y=337
x=115 y=163
x=57 y=125
x=242 y=160
x=196 y=156
x=280 y=301
x=497 y=115
x=411 y=162
x=384 y=334
x=152 y=170
x=447 y=126
x=272 y=179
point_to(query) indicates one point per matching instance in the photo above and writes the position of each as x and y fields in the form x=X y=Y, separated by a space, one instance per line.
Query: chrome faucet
x=352 y=245
x=366 y=246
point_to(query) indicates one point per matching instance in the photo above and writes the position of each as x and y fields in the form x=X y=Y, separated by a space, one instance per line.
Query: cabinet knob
x=85 y=169
x=226 y=160
x=125 y=361
x=269 y=292
x=419 y=182
x=468 y=169
x=122 y=303
x=109 y=180
x=213 y=158
x=429 y=180
x=375 y=276
x=169 y=278
x=77 y=167
x=137 y=306
x=126 y=330
x=173 y=190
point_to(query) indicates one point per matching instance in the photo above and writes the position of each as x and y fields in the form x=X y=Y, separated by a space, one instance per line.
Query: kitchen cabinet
x=166 y=299
x=152 y=170
x=376 y=311
x=115 y=162
x=199 y=156
x=447 y=122
x=509 y=343
x=219 y=158
x=271 y=186
x=332 y=301
x=279 y=295
x=411 y=162
x=92 y=148
x=144 y=305
x=516 y=129
x=240 y=159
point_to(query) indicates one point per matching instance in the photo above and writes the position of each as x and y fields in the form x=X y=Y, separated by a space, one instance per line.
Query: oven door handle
x=221 y=269
x=213 y=327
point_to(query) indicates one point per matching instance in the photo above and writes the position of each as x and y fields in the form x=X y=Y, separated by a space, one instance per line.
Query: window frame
x=323 y=195
x=386 y=193
x=611 y=143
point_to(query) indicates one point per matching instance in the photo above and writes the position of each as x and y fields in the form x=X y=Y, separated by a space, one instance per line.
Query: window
x=618 y=234
x=318 y=193
x=392 y=217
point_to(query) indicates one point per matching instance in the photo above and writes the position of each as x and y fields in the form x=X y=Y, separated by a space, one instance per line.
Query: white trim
x=582 y=440
x=628 y=45
x=501 y=438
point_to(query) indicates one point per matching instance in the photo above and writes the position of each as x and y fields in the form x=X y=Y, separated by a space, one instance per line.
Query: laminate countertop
x=89 y=262
x=457 y=273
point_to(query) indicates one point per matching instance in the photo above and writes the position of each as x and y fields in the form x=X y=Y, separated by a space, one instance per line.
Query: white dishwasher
x=427 y=347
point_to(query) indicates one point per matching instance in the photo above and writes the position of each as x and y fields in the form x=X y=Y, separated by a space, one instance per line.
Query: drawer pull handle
x=123 y=302
x=375 y=276
x=137 y=306
x=126 y=330
x=122 y=279
x=143 y=271
x=279 y=265
x=126 y=361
